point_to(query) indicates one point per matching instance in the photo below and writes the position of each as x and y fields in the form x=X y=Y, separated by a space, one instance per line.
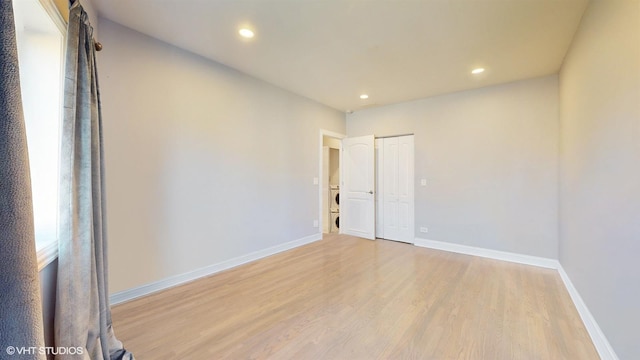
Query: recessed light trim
x=364 y=96
x=246 y=33
x=477 y=71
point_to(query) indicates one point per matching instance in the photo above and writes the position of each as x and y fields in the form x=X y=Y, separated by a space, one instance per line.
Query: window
x=40 y=37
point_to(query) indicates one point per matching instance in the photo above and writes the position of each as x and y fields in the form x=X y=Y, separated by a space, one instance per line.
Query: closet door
x=390 y=189
x=379 y=145
x=405 y=189
x=396 y=167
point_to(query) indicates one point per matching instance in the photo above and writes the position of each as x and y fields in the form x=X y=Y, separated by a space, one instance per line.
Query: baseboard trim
x=147 y=289
x=488 y=253
x=598 y=338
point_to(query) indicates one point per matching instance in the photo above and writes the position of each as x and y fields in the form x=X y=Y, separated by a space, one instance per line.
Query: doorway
x=376 y=187
x=330 y=172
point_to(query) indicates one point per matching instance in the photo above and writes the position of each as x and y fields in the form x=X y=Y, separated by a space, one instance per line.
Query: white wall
x=204 y=163
x=490 y=158
x=93 y=16
x=600 y=169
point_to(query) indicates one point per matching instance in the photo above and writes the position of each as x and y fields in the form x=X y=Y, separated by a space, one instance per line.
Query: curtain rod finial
x=98 y=46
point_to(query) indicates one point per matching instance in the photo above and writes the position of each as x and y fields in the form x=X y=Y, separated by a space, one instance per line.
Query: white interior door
x=395 y=163
x=379 y=145
x=357 y=201
x=390 y=207
x=406 y=230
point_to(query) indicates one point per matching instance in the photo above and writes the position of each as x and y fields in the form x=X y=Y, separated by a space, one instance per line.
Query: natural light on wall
x=40 y=50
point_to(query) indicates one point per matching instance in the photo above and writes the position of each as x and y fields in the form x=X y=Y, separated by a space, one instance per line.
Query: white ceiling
x=334 y=50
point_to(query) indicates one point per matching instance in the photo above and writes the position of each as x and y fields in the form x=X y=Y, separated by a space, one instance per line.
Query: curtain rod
x=97 y=45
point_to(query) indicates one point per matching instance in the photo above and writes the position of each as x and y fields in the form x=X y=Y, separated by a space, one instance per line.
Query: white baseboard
x=598 y=338
x=600 y=341
x=130 y=294
x=488 y=253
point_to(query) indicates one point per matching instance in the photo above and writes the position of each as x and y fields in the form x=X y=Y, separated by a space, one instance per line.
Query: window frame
x=49 y=252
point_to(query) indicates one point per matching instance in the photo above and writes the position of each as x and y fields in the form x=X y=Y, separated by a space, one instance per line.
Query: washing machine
x=334 y=193
x=335 y=221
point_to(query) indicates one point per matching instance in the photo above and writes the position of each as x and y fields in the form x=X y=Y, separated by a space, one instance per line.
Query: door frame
x=334 y=135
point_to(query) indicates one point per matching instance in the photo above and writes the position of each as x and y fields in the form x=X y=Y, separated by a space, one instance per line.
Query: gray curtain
x=20 y=306
x=83 y=314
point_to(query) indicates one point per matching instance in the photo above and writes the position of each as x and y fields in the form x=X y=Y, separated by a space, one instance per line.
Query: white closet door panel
x=379 y=188
x=405 y=188
x=403 y=218
x=391 y=229
x=391 y=168
x=391 y=222
x=394 y=188
x=404 y=169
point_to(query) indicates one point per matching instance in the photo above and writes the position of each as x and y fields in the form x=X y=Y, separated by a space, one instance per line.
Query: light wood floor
x=349 y=298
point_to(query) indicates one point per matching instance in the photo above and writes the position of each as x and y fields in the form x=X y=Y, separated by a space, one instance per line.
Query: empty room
x=322 y=179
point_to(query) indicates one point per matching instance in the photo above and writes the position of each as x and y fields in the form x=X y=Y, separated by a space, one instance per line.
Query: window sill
x=47 y=254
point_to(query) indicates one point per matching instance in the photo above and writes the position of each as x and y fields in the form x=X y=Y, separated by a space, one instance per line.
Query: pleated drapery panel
x=21 y=327
x=83 y=313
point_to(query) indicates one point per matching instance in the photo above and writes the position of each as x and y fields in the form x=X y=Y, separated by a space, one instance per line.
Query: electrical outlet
x=423 y=182
x=424 y=229
x=315 y=223
x=315 y=181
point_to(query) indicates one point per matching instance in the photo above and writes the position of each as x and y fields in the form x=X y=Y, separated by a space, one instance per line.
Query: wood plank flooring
x=350 y=298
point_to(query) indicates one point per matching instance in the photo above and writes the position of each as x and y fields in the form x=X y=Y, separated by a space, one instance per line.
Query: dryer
x=334 y=193
x=335 y=221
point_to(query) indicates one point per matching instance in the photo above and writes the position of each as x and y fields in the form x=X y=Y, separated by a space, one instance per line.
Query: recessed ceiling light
x=246 y=33
x=477 y=71
x=364 y=96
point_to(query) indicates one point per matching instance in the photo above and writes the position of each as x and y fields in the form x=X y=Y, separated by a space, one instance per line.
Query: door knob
x=371 y=192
